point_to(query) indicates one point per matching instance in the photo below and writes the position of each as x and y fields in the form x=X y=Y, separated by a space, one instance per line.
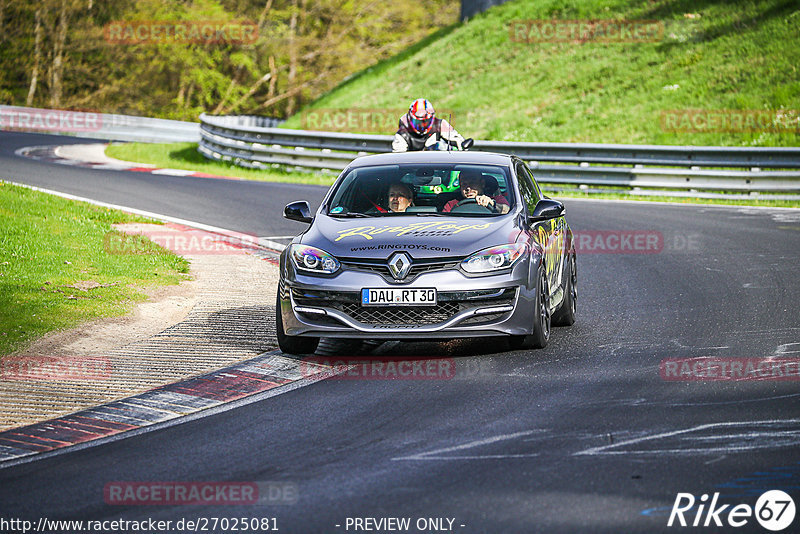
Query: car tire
x=565 y=316
x=541 y=320
x=292 y=344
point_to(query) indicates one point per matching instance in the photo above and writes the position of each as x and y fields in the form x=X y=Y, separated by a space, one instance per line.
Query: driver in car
x=472 y=185
x=400 y=197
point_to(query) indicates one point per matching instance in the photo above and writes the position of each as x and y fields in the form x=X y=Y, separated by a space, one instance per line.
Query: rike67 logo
x=774 y=510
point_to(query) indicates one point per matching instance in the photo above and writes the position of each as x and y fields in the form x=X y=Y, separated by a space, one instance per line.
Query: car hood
x=421 y=237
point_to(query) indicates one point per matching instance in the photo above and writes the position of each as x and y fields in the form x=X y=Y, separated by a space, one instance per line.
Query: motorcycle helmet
x=420 y=116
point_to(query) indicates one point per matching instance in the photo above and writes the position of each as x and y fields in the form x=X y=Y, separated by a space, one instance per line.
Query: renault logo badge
x=399 y=265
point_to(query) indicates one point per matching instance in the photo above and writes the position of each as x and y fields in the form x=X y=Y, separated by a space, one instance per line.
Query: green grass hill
x=507 y=78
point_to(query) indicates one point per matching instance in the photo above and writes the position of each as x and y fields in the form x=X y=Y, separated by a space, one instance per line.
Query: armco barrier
x=242 y=141
x=253 y=141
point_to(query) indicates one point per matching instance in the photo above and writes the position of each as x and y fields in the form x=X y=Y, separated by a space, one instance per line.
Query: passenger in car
x=400 y=197
x=472 y=184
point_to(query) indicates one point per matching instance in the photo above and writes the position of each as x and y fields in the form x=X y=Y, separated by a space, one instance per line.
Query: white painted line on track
x=432 y=455
x=158 y=216
x=604 y=449
x=172 y=172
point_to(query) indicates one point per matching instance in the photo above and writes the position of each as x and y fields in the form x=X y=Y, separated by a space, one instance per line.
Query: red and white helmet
x=420 y=115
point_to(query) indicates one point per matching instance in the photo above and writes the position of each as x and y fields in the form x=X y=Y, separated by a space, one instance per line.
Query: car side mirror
x=546 y=209
x=298 y=211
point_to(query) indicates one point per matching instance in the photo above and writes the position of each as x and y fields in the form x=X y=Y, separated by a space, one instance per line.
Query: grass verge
x=503 y=80
x=55 y=272
x=185 y=156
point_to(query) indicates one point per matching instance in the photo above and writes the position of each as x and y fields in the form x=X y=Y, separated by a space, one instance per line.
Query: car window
x=526 y=188
x=536 y=189
x=426 y=188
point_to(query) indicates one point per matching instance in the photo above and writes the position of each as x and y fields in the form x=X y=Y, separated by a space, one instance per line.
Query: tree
x=56 y=53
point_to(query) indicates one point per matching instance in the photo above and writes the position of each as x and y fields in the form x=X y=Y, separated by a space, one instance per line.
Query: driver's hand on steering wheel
x=485 y=201
x=490 y=203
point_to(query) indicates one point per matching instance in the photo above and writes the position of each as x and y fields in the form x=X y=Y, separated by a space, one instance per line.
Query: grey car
x=444 y=262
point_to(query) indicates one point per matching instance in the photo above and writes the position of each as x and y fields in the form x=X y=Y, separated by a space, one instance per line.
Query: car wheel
x=565 y=316
x=292 y=344
x=540 y=333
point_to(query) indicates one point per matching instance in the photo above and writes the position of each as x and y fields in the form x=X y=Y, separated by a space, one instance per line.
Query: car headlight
x=313 y=260
x=494 y=258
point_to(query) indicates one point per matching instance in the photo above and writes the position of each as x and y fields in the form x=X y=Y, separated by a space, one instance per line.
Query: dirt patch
x=165 y=306
x=223 y=316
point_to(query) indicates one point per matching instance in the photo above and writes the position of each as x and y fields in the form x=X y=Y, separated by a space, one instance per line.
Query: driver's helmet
x=420 y=116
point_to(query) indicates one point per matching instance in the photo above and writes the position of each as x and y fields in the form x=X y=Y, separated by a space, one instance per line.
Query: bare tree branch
x=292 y=54
x=273 y=80
x=2 y=15
x=244 y=97
x=37 y=57
x=58 y=57
x=263 y=17
x=287 y=94
x=227 y=95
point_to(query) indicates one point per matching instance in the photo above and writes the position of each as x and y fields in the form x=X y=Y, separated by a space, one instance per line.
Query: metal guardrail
x=98 y=125
x=242 y=141
x=252 y=141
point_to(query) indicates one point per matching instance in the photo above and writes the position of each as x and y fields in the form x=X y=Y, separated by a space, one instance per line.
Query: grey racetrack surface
x=582 y=436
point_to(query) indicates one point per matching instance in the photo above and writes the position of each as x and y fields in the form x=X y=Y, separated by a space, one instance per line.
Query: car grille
x=418 y=267
x=397 y=315
x=450 y=304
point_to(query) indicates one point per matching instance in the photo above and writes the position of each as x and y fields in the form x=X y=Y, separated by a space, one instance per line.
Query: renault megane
x=428 y=245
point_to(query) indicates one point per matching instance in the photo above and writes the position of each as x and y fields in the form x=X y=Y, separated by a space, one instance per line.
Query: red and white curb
x=185 y=240
x=51 y=154
x=253 y=243
x=267 y=375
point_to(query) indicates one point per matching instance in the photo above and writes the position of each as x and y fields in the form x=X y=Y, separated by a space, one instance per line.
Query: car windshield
x=422 y=190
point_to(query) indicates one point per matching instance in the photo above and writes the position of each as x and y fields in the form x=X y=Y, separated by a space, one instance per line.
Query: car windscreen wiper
x=348 y=215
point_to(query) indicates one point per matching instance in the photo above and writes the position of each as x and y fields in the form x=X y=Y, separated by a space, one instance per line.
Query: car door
x=549 y=234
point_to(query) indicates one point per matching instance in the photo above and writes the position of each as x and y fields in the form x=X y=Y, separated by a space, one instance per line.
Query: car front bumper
x=501 y=304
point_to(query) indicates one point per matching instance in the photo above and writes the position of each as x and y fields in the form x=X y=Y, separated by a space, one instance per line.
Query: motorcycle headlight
x=494 y=259
x=312 y=259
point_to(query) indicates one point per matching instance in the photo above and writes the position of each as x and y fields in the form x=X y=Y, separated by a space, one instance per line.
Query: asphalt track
x=585 y=435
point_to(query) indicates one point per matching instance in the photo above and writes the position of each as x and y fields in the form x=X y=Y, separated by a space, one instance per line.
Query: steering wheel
x=470 y=201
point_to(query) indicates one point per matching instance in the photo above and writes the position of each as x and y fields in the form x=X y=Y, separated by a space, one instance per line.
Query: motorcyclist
x=419 y=128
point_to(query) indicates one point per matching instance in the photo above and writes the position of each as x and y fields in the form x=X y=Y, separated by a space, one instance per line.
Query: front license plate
x=398 y=297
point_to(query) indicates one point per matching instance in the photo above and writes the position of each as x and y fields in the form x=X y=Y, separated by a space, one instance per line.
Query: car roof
x=432 y=156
